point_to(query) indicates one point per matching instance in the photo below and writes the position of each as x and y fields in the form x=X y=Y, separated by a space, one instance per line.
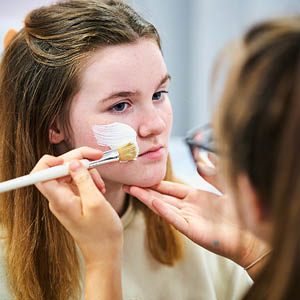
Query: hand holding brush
x=126 y=152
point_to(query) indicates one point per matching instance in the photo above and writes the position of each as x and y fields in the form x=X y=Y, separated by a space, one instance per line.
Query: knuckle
x=84 y=149
x=42 y=163
x=46 y=157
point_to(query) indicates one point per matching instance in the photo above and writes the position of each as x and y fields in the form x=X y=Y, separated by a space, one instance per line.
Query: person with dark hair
x=256 y=130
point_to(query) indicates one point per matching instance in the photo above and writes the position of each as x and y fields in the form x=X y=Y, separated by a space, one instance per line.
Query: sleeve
x=231 y=280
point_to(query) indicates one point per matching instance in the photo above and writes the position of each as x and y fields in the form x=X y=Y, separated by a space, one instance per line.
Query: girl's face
x=127 y=84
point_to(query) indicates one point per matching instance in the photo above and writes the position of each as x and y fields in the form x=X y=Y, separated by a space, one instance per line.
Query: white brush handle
x=44 y=175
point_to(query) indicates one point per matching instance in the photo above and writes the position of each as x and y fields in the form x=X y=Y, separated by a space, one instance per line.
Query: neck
x=116 y=196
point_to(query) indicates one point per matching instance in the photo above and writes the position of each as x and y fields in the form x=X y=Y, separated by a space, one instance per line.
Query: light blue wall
x=193 y=32
x=214 y=23
x=172 y=19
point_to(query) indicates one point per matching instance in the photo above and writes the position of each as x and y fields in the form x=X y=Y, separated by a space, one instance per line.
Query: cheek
x=134 y=173
x=168 y=115
x=81 y=133
x=83 y=136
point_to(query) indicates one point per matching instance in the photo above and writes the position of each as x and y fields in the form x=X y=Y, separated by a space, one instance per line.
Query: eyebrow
x=122 y=94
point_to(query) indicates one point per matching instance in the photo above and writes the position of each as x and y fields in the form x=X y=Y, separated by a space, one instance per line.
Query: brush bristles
x=127 y=152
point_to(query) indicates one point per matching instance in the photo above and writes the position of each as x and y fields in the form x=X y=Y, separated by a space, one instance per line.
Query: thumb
x=89 y=193
x=210 y=175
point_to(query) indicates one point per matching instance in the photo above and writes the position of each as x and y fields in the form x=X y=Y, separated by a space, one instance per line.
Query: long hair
x=258 y=127
x=39 y=75
x=164 y=242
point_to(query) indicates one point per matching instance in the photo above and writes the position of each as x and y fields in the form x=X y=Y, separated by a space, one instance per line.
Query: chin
x=149 y=183
x=143 y=176
x=146 y=180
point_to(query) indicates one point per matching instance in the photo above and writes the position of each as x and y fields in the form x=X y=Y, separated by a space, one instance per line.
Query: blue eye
x=159 y=95
x=120 y=106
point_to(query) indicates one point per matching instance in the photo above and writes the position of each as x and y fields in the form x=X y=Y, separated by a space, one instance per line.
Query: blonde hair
x=39 y=75
x=164 y=241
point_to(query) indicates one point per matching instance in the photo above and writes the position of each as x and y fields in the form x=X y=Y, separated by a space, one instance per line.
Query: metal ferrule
x=108 y=156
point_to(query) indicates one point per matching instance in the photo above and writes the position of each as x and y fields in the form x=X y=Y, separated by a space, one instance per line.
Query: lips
x=151 y=150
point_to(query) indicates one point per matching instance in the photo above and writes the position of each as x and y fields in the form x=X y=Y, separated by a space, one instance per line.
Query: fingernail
x=75 y=165
x=203 y=169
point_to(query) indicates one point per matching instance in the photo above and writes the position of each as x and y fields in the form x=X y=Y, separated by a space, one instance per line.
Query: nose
x=151 y=123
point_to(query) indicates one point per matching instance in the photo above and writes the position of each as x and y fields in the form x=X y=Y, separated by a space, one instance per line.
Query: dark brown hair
x=39 y=75
x=258 y=127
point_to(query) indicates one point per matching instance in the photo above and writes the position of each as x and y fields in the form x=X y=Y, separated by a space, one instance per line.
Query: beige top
x=201 y=275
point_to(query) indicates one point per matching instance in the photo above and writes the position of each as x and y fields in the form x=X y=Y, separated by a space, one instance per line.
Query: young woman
x=76 y=65
x=257 y=130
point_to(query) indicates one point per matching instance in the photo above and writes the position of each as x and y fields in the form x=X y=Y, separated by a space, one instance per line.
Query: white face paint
x=115 y=135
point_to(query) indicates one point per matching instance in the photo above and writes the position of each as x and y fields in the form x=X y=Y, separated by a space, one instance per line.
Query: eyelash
x=162 y=94
x=161 y=98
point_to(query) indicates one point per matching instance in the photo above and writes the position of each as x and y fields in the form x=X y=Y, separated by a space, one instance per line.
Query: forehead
x=130 y=65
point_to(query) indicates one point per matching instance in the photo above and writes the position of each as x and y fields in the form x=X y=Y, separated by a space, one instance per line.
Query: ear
x=9 y=36
x=56 y=134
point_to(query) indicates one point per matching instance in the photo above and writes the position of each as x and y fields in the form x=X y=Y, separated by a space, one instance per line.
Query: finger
x=60 y=196
x=173 y=189
x=171 y=215
x=63 y=202
x=98 y=180
x=160 y=206
x=210 y=175
x=213 y=159
x=61 y=199
x=205 y=170
x=89 y=194
x=47 y=161
x=51 y=189
x=147 y=195
x=140 y=193
x=82 y=152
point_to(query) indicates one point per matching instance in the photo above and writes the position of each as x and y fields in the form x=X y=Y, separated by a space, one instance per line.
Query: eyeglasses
x=201 y=139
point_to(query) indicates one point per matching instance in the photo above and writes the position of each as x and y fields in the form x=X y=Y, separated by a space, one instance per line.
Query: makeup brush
x=123 y=153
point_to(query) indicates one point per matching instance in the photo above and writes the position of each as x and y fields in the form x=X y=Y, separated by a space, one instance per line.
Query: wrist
x=258 y=260
x=258 y=264
x=103 y=255
x=249 y=249
x=103 y=279
x=253 y=254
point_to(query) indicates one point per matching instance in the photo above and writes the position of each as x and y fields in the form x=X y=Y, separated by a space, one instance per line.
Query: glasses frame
x=204 y=145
